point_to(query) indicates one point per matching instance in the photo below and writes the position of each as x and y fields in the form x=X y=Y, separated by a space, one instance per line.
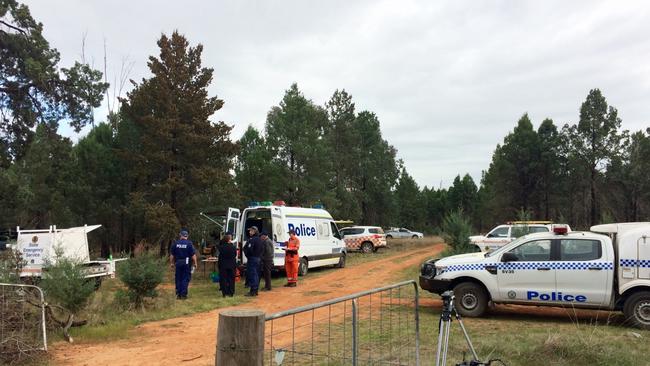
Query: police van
x=607 y=268
x=320 y=240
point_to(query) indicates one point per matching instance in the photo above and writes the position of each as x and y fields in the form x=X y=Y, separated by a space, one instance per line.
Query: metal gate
x=22 y=324
x=374 y=327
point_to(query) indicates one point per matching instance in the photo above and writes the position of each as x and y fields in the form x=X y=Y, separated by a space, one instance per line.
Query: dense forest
x=160 y=159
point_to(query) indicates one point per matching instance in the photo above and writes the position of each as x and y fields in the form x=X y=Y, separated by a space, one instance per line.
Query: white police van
x=320 y=240
x=560 y=268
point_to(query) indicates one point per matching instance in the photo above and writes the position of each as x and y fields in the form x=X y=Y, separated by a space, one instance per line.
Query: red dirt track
x=191 y=340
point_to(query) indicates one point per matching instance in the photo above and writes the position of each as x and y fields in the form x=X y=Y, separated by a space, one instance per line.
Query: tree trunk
x=593 y=215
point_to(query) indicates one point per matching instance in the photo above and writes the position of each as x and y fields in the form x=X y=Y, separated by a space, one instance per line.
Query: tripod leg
x=446 y=345
x=469 y=342
x=441 y=333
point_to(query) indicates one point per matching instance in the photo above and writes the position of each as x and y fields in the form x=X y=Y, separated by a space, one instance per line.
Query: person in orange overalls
x=292 y=259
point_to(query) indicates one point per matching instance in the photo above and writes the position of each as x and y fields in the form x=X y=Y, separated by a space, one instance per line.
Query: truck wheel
x=303 y=267
x=470 y=299
x=637 y=310
x=341 y=261
x=389 y=236
x=414 y=237
x=367 y=247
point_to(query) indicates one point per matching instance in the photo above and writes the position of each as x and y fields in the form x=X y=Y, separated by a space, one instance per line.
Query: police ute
x=607 y=268
x=320 y=240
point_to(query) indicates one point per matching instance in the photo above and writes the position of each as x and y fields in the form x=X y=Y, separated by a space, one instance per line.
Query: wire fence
x=22 y=322
x=375 y=327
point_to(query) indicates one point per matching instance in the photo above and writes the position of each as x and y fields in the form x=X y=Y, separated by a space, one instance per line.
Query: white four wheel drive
x=607 y=268
x=504 y=234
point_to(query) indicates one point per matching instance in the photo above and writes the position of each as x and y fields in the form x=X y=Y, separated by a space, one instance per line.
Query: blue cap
x=184 y=233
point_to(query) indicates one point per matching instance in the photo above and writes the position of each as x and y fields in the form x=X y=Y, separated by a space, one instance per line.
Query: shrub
x=142 y=274
x=456 y=230
x=11 y=263
x=66 y=287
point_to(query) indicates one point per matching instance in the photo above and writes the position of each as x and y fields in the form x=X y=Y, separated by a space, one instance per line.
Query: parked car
x=403 y=233
x=504 y=234
x=364 y=238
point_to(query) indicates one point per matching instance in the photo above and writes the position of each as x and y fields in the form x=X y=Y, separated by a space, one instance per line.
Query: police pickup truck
x=607 y=268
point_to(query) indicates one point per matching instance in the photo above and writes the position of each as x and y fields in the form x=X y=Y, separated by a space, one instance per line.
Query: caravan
x=320 y=240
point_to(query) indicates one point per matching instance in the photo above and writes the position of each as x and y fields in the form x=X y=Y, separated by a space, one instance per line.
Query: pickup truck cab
x=607 y=268
x=504 y=234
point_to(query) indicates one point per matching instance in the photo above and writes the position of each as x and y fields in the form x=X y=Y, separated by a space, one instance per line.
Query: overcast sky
x=447 y=79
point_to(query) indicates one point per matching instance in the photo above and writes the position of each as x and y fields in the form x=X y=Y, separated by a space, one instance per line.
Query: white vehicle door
x=584 y=273
x=232 y=222
x=530 y=276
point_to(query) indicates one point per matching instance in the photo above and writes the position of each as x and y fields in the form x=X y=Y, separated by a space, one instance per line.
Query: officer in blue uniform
x=180 y=255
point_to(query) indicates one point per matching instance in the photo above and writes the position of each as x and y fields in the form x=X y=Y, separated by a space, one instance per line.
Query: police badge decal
x=512 y=295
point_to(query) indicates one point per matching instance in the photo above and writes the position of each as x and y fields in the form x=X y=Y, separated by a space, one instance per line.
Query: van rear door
x=232 y=221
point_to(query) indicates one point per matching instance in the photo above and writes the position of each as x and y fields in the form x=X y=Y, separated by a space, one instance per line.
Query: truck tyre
x=341 y=261
x=389 y=236
x=414 y=237
x=303 y=267
x=367 y=247
x=470 y=299
x=637 y=310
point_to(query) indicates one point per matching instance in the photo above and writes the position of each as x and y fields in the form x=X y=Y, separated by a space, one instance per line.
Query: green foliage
x=595 y=141
x=141 y=274
x=294 y=134
x=64 y=283
x=456 y=229
x=33 y=89
x=410 y=209
x=11 y=263
x=256 y=175
x=179 y=161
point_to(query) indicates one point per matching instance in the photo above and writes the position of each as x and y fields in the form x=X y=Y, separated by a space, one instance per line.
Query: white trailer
x=38 y=248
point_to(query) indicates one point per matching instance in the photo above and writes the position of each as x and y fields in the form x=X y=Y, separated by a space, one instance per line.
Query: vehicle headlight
x=428 y=270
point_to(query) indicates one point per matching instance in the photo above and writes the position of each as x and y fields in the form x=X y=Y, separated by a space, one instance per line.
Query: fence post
x=240 y=338
x=355 y=330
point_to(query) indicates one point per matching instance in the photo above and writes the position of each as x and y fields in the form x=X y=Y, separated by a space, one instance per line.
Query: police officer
x=253 y=253
x=180 y=254
x=227 y=264
x=267 y=259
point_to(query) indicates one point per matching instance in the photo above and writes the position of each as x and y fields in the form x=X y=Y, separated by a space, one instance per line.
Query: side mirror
x=489 y=236
x=509 y=257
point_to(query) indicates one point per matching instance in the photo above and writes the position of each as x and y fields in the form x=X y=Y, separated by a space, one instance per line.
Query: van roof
x=304 y=212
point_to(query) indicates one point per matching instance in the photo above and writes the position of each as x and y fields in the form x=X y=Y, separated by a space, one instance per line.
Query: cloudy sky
x=447 y=79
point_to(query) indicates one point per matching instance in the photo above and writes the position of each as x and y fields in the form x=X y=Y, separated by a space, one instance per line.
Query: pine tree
x=178 y=157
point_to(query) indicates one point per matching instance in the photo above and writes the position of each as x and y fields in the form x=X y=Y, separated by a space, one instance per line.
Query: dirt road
x=191 y=340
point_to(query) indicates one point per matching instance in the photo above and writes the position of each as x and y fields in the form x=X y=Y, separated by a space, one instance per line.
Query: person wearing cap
x=227 y=263
x=180 y=255
x=267 y=259
x=253 y=251
x=291 y=259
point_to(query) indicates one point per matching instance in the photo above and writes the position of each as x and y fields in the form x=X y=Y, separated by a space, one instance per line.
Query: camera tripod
x=443 y=337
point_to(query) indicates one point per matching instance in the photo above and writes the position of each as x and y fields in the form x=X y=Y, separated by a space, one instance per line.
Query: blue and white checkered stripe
x=643 y=263
x=534 y=266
